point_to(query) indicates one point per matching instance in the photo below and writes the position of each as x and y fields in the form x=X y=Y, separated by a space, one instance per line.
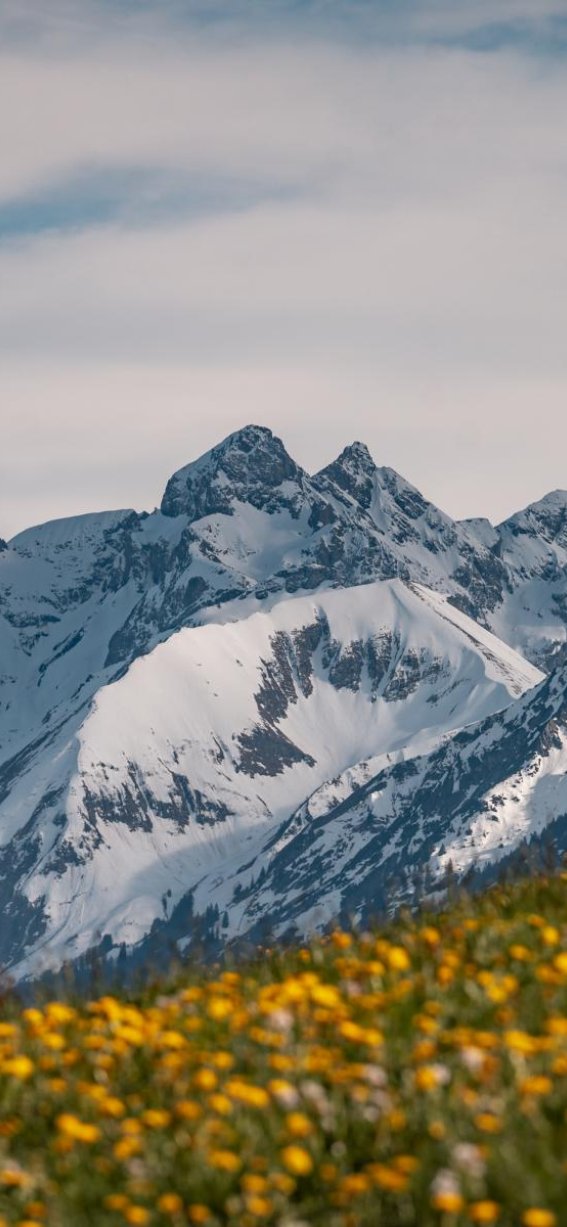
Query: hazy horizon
x=150 y=507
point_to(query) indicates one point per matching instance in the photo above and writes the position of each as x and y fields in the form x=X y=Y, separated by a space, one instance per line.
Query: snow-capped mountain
x=492 y=794
x=212 y=739
x=176 y=686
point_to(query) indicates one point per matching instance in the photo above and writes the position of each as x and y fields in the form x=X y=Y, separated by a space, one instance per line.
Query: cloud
x=207 y=223
x=131 y=197
x=74 y=21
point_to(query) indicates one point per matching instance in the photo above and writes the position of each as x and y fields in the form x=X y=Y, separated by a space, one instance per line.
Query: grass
x=414 y=1076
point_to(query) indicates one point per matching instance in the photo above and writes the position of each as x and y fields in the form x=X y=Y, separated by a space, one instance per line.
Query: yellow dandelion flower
x=33 y=1017
x=253 y=1183
x=448 y=1202
x=341 y=941
x=156 y=1118
x=219 y=1008
x=115 y=1201
x=222 y=1060
x=352 y=1032
x=187 y=1109
x=521 y=953
x=36 y=1209
x=259 y=1207
x=57 y=1086
x=111 y=1106
x=429 y=1077
x=298 y=1125
x=220 y=1104
x=13 y=1177
x=198 y=1213
x=520 y=1041
x=430 y=935
x=18 y=1067
x=126 y=1148
x=136 y=1215
x=354 y=1184
x=285 y=1184
x=170 y=1203
x=244 y=1092
x=557 y=1025
x=538 y=1084
x=388 y=1178
x=77 y=1130
x=206 y=1080
x=297 y=1160
x=54 y=1041
x=224 y=1160
x=325 y=995
x=484 y=1211
x=406 y=1163
x=398 y=959
x=60 y=1013
x=488 y=1122
x=537 y=1217
x=173 y=1039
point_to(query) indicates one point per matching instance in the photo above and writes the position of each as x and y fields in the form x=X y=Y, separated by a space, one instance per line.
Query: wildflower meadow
x=414 y=1076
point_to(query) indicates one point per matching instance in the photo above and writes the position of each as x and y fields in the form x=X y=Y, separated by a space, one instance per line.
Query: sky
x=342 y=219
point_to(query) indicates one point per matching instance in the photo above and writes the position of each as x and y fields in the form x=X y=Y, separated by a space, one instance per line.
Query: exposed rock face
x=240 y=532
x=251 y=466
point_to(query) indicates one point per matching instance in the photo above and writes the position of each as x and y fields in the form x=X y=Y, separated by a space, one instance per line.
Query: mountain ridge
x=245 y=532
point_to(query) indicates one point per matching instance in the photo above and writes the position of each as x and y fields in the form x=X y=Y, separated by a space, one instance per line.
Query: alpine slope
x=278 y=701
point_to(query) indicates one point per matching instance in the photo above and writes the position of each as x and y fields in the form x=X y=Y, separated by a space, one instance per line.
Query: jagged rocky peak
x=355 y=459
x=251 y=466
x=545 y=518
x=353 y=472
x=3 y=545
x=395 y=507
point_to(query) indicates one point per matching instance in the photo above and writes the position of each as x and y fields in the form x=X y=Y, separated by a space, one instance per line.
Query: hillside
x=412 y=1076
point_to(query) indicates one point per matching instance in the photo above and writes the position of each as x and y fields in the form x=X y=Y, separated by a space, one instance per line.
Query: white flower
x=315 y=1094
x=281 y=1020
x=472 y=1058
x=445 y=1182
x=469 y=1158
x=442 y=1073
x=375 y=1075
x=287 y=1097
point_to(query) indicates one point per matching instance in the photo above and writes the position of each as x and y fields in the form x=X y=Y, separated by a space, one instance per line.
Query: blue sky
x=337 y=217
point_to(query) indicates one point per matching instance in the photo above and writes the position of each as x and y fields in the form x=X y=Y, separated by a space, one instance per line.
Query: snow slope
x=491 y=795
x=216 y=736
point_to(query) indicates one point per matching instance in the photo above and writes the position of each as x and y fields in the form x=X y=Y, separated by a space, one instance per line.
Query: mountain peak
x=352 y=472
x=546 y=518
x=249 y=465
x=356 y=457
x=249 y=437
